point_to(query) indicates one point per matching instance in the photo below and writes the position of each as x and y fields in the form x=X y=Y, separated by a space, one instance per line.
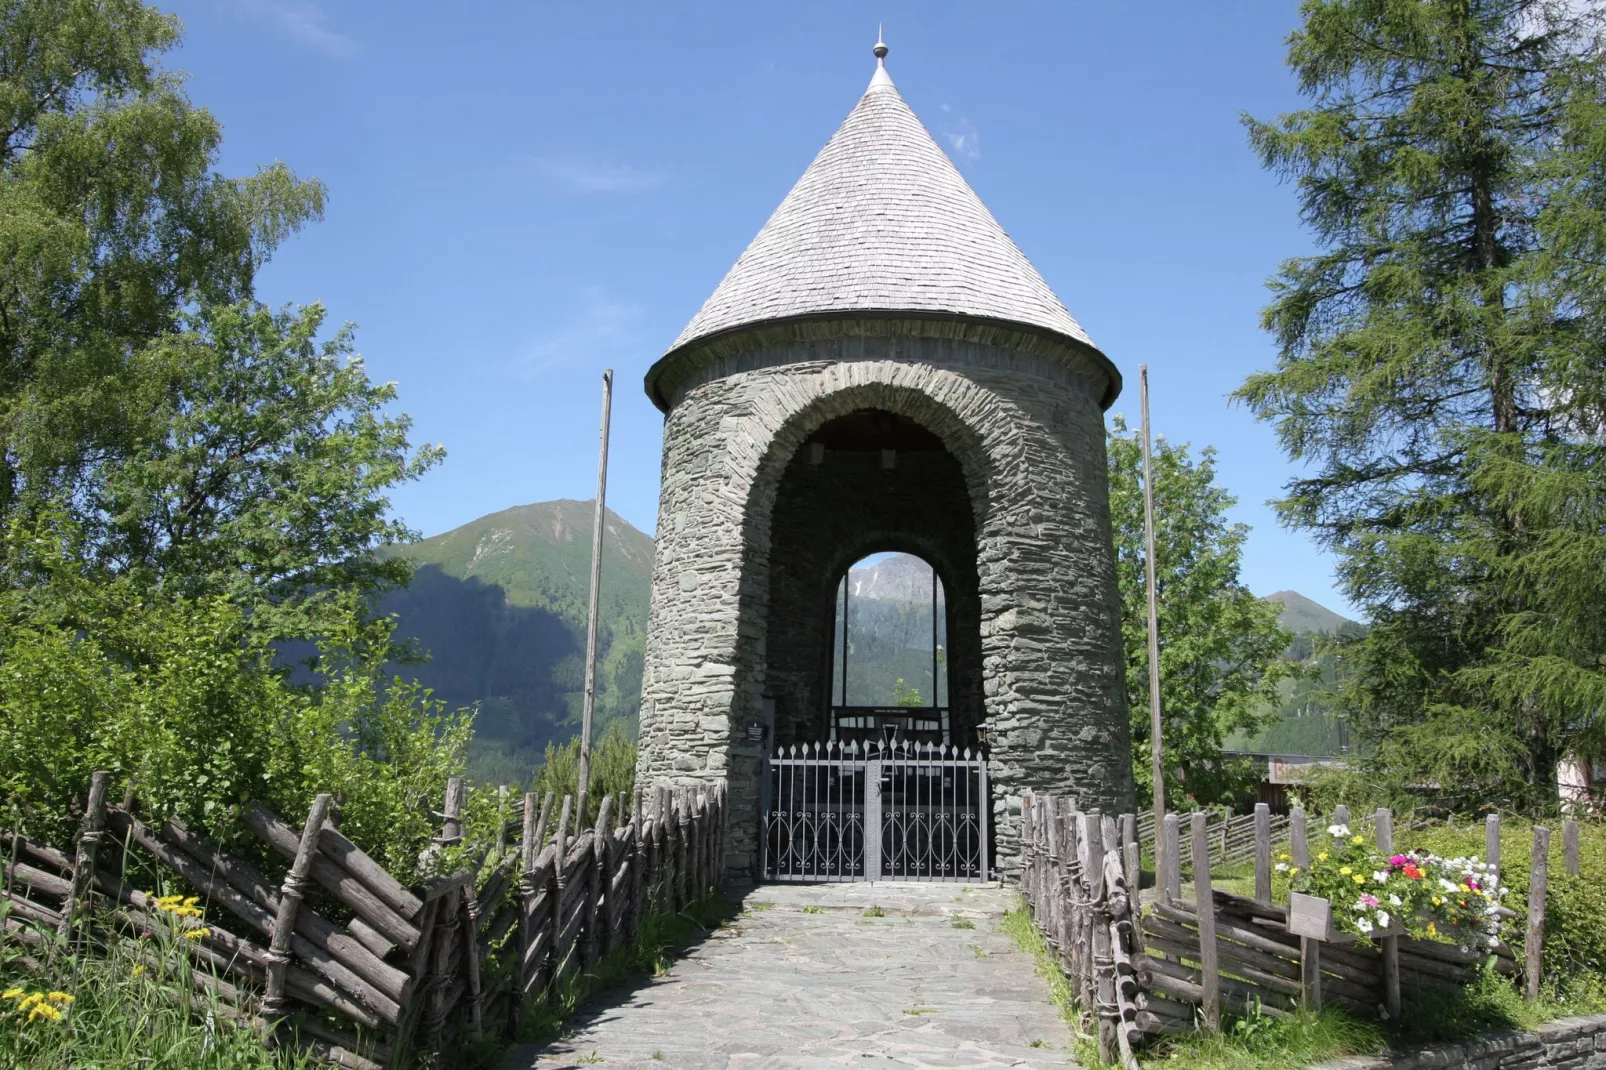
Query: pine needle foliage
x=1441 y=378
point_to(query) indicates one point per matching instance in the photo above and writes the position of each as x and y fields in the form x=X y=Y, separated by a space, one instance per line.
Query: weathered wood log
x=1534 y=938
x=324 y=871
x=432 y=888
x=39 y=852
x=1210 y=987
x=40 y=881
x=1491 y=841
x=384 y=887
x=27 y=908
x=338 y=1047
x=369 y=937
x=274 y=1004
x=91 y=832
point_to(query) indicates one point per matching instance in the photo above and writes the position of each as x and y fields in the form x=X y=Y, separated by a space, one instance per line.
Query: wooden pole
x=274 y=1004
x=597 y=528
x=1491 y=841
x=1533 y=941
x=83 y=869
x=1263 y=852
x=1156 y=727
x=1391 y=944
x=1204 y=906
x=1171 y=859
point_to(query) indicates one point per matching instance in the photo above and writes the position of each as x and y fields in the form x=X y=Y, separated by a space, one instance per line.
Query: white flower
x=1394 y=900
x=1383 y=919
x=1448 y=886
x=1363 y=925
x=1281 y=867
x=1380 y=877
x=1338 y=830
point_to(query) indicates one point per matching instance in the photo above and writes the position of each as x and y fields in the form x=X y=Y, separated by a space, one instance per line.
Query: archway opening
x=889 y=652
x=876 y=498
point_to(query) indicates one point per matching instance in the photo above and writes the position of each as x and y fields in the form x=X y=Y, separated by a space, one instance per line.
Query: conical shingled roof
x=881 y=221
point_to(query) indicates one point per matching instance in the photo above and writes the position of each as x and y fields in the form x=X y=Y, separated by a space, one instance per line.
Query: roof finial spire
x=881 y=76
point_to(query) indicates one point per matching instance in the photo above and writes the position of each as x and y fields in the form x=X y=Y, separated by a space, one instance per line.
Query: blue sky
x=524 y=194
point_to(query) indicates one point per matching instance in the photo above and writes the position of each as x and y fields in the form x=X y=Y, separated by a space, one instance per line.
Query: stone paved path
x=804 y=979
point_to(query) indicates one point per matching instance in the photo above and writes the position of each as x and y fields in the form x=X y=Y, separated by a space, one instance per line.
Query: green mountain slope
x=1302 y=616
x=499 y=607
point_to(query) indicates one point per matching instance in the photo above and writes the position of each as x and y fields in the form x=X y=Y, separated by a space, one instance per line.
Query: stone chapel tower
x=883 y=369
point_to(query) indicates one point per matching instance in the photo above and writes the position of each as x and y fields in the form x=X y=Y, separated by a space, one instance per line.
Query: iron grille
x=864 y=811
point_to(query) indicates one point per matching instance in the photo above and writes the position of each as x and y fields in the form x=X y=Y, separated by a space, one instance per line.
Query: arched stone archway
x=866 y=482
x=1024 y=428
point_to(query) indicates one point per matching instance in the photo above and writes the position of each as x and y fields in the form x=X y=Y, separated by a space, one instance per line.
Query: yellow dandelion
x=1322 y=857
x=13 y=993
x=1293 y=871
x=1358 y=840
x=1438 y=902
x=59 y=997
x=192 y=900
x=32 y=1000
x=198 y=934
x=45 y=1011
x=137 y=971
x=1358 y=879
x=1346 y=871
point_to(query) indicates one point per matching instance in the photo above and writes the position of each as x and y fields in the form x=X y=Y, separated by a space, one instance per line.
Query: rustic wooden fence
x=336 y=955
x=1169 y=965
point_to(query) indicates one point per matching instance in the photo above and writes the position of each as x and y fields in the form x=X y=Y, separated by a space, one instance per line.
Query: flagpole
x=1156 y=729
x=596 y=593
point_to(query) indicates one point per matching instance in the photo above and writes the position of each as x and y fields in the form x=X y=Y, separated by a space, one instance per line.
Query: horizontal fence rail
x=336 y=955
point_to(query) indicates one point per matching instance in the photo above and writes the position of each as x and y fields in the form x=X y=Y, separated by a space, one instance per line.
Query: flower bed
x=1422 y=894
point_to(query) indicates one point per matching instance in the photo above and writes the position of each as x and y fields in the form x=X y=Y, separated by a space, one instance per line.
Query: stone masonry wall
x=1025 y=425
x=1567 y=1044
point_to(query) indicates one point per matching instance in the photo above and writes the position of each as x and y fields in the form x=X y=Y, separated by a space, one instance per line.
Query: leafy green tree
x=613 y=768
x=1220 y=646
x=112 y=222
x=1441 y=378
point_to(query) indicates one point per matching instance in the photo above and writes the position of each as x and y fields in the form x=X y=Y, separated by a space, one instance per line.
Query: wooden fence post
x=447 y=925
x=1263 y=852
x=1341 y=815
x=593 y=940
x=1491 y=841
x=1298 y=839
x=1205 y=910
x=274 y=1004
x=682 y=848
x=556 y=883
x=1569 y=846
x=83 y=867
x=638 y=864
x=1534 y=939
x=1172 y=881
x=1390 y=944
x=1132 y=856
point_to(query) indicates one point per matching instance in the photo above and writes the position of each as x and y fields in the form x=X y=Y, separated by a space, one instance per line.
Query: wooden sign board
x=1309 y=915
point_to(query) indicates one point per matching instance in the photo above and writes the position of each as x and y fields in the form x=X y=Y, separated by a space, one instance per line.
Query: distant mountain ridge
x=499 y=606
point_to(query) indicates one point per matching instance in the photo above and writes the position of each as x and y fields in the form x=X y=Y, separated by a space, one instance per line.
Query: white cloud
x=303 y=21
x=582 y=176
x=961 y=134
x=599 y=329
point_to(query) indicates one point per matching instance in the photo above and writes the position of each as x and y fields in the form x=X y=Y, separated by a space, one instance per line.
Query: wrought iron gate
x=855 y=812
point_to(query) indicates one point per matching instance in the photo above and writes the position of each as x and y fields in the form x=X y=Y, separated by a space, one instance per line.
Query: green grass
x=874 y=912
x=131 y=1008
x=962 y=923
x=814 y=910
x=1018 y=926
x=1258 y=1042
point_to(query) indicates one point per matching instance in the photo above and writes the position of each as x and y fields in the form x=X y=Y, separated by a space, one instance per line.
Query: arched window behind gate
x=889 y=652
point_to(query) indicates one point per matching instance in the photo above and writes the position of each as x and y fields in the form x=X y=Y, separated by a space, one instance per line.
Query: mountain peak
x=1305 y=616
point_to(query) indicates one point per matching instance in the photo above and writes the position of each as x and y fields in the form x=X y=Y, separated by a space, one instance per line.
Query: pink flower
x=1398 y=861
x=1369 y=900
